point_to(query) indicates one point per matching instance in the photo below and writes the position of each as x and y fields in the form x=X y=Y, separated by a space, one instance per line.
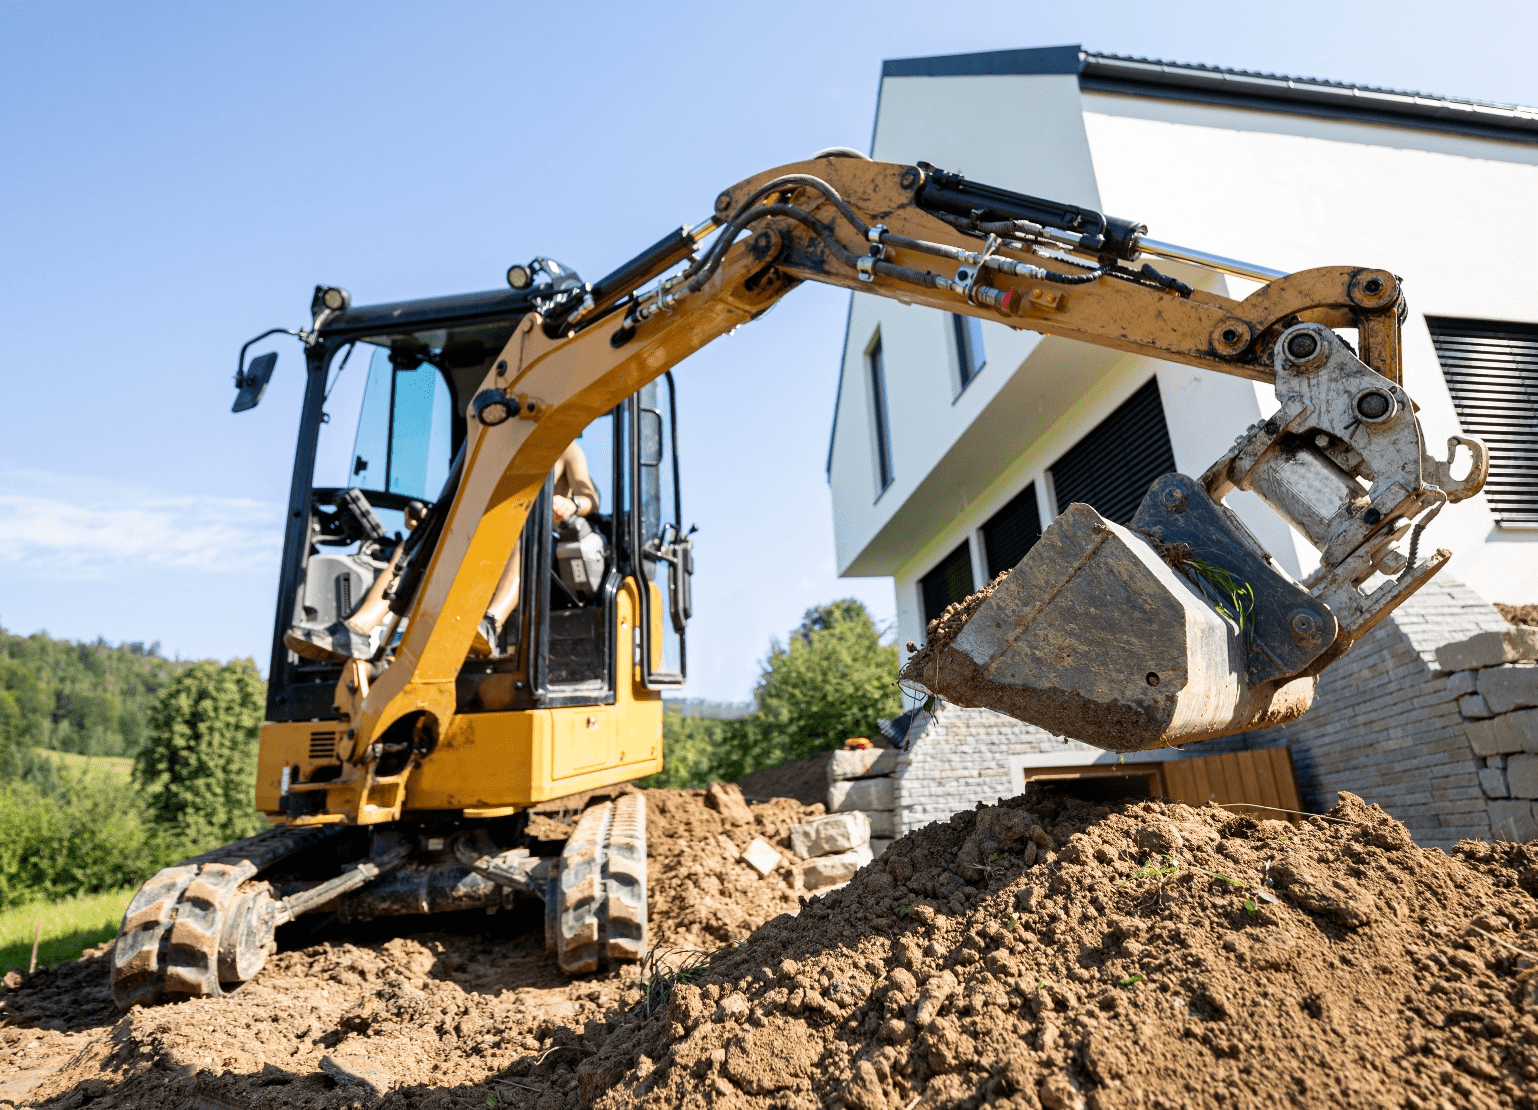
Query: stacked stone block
x=1494 y=680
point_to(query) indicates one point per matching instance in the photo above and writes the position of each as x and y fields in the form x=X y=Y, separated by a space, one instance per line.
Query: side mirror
x=252 y=381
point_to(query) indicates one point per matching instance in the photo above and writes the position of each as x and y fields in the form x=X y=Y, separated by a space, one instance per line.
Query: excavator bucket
x=1108 y=635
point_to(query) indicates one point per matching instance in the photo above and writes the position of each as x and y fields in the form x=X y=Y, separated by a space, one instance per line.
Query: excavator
x=402 y=754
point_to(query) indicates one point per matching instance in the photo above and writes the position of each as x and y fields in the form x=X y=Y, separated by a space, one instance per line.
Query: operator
x=356 y=636
x=575 y=495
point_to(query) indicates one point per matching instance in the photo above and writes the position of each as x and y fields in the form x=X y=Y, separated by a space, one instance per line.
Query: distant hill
x=88 y=698
x=704 y=707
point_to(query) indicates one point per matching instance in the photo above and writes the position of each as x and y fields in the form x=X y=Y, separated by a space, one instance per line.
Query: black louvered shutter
x=1011 y=532
x=1111 y=468
x=1492 y=372
x=950 y=581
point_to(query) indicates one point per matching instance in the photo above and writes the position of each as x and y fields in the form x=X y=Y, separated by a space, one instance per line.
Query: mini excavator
x=402 y=753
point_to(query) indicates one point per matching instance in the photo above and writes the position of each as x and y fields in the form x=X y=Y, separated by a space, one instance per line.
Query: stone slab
x=1513 y=821
x=1489 y=649
x=1464 y=682
x=763 y=858
x=727 y=800
x=838 y=832
x=845 y=796
x=1510 y=732
x=1474 y=708
x=1522 y=776
x=862 y=763
x=883 y=822
x=1513 y=686
x=825 y=871
x=1492 y=780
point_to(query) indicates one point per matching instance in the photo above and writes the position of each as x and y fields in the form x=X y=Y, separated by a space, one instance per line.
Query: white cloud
x=80 y=528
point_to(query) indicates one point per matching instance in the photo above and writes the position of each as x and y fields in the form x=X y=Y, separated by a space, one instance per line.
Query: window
x=881 y=428
x=968 y=333
x=950 y=581
x=1011 y=532
x=1492 y=372
x=1111 y=468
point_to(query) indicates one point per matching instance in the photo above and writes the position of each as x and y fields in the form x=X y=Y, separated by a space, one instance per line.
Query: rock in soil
x=1044 y=952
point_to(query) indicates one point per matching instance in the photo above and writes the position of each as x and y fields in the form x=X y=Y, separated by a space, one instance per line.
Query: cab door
x=664 y=556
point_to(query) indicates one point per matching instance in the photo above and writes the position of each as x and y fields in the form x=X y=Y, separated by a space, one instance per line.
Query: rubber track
x=598 y=908
x=168 y=945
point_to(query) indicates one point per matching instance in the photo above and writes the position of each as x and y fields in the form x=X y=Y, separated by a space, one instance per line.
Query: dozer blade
x=1096 y=636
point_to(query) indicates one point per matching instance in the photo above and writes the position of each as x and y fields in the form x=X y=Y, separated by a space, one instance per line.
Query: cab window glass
x=404 y=428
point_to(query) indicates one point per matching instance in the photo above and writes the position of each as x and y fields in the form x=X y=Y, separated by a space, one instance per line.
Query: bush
x=197 y=767
x=691 y=747
x=83 y=836
x=832 y=680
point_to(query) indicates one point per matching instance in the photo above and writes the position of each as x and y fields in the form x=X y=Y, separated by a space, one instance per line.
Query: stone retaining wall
x=1389 y=723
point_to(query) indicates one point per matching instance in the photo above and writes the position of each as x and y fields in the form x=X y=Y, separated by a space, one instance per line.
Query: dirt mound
x=1050 y=953
x=1518 y=614
x=805 y=780
x=471 y=1011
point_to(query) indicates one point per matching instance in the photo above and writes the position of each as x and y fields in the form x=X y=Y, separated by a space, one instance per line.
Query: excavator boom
x=1342 y=460
x=1222 y=639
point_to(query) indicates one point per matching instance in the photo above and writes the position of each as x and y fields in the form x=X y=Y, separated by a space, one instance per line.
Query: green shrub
x=830 y=682
x=85 y=835
x=691 y=748
x=197 y=767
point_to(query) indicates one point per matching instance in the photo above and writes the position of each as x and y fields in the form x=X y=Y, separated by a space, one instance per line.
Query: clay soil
x=440 y=1017
x=1044 y=952
x=1519 y=614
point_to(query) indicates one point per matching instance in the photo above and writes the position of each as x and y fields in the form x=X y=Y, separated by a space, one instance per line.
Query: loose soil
x=459 y=1010
x=1518 y=614
x=805 y=780
x=939 y=633
x=1044 y=952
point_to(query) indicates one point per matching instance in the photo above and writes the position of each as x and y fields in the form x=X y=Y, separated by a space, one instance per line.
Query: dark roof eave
x=1113 y=73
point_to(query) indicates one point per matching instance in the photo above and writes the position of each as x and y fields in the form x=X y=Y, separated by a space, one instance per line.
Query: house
x=955 y=441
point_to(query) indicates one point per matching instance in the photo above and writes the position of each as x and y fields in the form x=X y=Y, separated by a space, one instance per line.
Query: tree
x=830 y=682
x=197 y=767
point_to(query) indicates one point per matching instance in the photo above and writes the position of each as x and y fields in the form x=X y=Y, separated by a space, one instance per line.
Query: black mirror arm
x=240 y=373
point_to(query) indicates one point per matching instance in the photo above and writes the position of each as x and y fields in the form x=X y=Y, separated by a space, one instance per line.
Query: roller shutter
x=1111 y=468
x=1492 y=373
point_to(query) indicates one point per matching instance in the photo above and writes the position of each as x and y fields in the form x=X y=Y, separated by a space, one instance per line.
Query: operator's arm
x=575 y=493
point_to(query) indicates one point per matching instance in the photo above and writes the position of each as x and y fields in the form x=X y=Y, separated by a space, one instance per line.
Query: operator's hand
x=562 y=507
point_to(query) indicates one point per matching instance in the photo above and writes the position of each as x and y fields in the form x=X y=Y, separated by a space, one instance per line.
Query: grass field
x=69 y=928
x=115 y=764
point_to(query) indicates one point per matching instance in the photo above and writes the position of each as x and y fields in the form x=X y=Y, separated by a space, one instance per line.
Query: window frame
x=969 y=355
x=880 y=414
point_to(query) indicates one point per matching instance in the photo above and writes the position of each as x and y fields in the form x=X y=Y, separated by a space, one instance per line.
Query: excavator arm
x=1232 y=642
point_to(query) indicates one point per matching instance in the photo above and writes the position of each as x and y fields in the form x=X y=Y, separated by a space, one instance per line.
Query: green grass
x=69 y=928
x=116 y=764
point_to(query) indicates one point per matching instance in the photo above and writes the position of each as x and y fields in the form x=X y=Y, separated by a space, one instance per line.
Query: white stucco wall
x=1292 y=192
x=1287 y=191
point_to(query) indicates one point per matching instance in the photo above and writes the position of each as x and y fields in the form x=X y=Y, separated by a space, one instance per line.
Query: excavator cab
x=378 y=457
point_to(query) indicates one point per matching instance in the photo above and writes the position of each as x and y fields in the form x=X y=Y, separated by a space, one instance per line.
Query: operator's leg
x=503 y=602
x=353 y=637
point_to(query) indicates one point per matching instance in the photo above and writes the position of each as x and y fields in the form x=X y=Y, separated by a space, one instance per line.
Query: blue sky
x=175 y=178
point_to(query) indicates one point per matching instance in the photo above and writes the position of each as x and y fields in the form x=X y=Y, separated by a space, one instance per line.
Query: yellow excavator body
x=399 y=760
